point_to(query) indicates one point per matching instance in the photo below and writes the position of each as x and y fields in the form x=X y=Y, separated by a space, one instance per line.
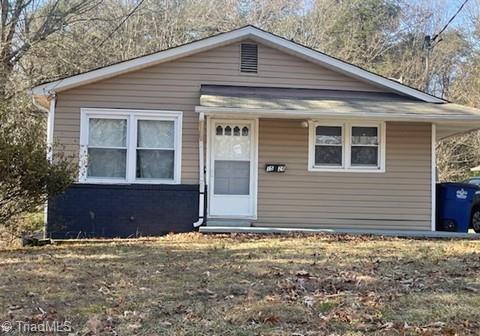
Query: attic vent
x=249 y=58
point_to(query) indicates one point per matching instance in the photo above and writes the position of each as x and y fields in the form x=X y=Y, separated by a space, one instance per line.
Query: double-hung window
x=107 y=147
x=347 y=146
x=329 y=146
x=130 y=146
x=155 y=155
x=364 y=146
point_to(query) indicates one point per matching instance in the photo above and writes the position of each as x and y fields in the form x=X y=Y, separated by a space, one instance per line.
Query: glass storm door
x=231 y=172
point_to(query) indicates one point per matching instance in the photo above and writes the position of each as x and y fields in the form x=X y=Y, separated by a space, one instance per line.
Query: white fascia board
x=142 y=62
x=225 y=38
x=271 y=113
x=344 y=67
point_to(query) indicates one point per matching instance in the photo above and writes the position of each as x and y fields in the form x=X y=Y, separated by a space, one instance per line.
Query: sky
x=462 y=20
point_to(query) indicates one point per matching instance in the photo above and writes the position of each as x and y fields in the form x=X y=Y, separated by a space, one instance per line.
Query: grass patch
x=324 y=307
x=268 y=312
x=193 y=284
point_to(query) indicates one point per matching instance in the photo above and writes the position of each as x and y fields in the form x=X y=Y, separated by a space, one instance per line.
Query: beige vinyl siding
x=400 y=198
x=397 y=199
x=175 y=85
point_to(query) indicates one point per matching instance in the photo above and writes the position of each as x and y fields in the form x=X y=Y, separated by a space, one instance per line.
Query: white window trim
x=314 y=143
x=346 y=148
x=132 y=117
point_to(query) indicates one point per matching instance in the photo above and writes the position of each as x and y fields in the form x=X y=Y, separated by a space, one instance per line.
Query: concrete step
x=229 y=222
x=386 y=233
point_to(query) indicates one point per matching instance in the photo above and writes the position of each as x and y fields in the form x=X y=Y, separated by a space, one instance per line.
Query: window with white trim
x=329 y=146
x=133 y=146
x=107 y=147
x=365 y=146
x=155 y=149
x=346 y=146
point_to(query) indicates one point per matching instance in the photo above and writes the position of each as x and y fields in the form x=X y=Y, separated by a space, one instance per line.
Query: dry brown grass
x=248 y=285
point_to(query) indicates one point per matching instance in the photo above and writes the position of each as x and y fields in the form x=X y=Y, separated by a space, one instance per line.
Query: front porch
x=270 y=174
x=388 y=188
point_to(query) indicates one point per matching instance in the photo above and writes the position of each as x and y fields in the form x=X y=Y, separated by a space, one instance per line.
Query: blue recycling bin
x=454 y=206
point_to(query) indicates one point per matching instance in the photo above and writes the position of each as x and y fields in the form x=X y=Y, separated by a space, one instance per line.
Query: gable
x=221 y=66
x=222 y=39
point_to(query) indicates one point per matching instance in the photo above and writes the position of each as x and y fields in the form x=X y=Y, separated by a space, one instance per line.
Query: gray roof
x=330 y=102
x=295 y=93
x=312 y=103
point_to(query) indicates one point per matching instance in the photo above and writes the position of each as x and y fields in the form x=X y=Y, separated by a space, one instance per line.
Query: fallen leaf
x=104 y=290
x=388 y=325
x=15 y=307
x=309 y=301
x=435 y=325
x=303 y=274
x=271 y=319
x=165 y=323
x=94 y=324
x=472 y=289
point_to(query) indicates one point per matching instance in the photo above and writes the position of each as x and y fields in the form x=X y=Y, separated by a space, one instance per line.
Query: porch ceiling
x=263 y=102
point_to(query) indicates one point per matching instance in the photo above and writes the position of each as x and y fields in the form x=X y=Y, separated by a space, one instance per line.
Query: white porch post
x=201 y=172
x=434 y=176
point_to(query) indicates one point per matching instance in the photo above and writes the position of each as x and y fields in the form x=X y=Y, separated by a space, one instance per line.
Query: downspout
x=50 y=122
x=201 y=171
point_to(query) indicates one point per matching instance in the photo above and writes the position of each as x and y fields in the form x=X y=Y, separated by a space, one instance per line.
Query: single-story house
x=244 y=128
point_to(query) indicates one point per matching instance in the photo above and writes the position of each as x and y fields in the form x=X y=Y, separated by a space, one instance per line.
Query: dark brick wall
x=96 y=210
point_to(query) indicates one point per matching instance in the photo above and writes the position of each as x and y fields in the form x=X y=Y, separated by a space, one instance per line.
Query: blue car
x=475 y=215
x=473 y=180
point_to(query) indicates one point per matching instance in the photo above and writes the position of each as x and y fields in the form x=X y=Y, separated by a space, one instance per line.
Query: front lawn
x=195 y=284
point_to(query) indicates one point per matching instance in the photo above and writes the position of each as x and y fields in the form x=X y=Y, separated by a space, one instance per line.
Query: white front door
x=232 y=172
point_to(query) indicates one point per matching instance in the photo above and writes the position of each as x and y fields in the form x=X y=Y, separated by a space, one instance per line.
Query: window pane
x=232 y=177
x=328 y=135
x=364 y=156
x=156 y=134
x=365 y=135
x=155 y=164
x=328 y=155
x=107 y=132
x=106 y=162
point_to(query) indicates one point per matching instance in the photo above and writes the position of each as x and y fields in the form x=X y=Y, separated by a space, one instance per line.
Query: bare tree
x=25 y=23
x=43 y=40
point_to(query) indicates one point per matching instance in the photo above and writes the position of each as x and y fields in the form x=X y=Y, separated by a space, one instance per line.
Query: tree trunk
x=6 y=70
